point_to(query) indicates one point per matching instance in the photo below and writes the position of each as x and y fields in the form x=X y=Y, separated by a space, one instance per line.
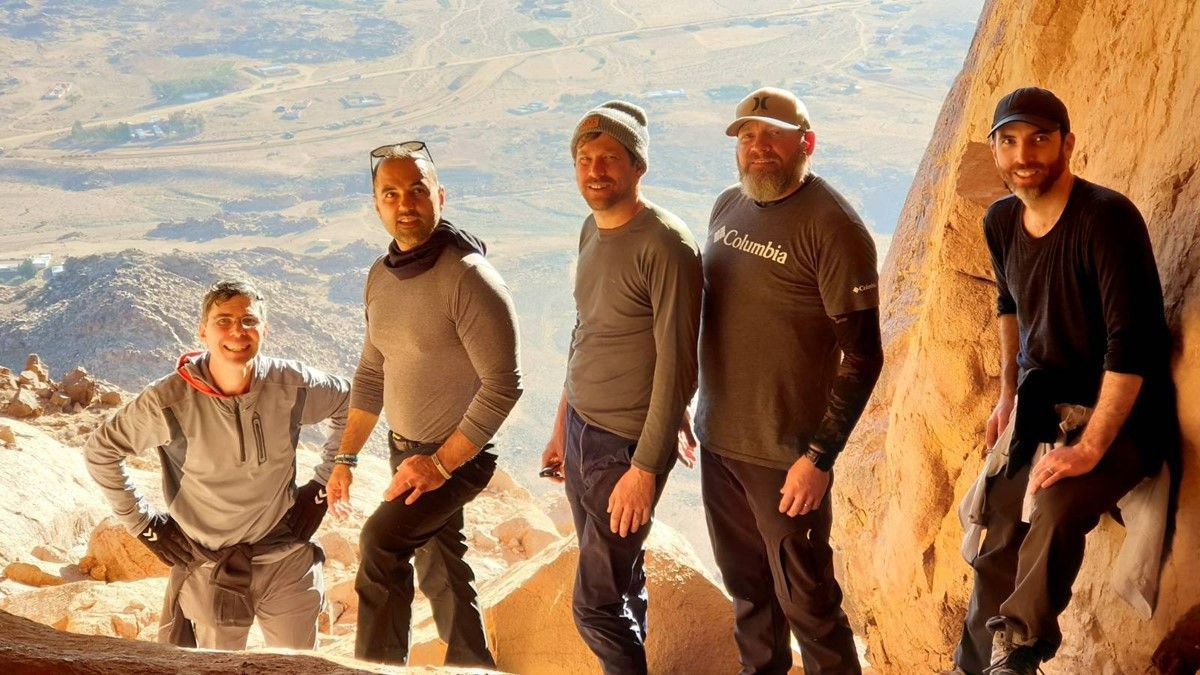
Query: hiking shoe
x=1009 y=658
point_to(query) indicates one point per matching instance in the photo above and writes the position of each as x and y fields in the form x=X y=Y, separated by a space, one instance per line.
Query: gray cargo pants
x=288 y=595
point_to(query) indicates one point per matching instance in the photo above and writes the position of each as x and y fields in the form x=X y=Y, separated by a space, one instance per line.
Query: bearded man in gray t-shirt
x=630 y=374
x=789 y=353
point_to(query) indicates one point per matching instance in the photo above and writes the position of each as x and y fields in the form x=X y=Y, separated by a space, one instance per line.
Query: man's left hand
x=416 y=476
x=803 y=489
x=631 y=502
x=308 y=510
x=687 y=443
x=1063 y=462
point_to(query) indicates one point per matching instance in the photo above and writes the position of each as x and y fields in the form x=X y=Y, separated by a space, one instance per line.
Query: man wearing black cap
x=1086 y=407
x=440 y=360
x=789 y=353
x=631 y=371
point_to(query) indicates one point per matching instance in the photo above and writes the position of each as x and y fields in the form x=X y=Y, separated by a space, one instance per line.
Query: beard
x=769 y=185
x=608 y=200
x=409 y=238
x=1052 y=172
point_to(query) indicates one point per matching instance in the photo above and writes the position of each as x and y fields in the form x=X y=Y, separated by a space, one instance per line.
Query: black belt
x=405 y=445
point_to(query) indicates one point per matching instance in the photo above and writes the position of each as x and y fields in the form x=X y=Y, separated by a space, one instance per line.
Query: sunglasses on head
x=397 y=149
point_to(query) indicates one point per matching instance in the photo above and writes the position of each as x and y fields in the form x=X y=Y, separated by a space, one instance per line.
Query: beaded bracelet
x=346 y=460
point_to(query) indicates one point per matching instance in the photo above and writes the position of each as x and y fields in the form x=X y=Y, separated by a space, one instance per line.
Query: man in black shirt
x=1081 y=324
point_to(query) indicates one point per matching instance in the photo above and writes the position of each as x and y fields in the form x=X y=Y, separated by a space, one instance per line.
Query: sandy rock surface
x=919 y=445
x=49 y=498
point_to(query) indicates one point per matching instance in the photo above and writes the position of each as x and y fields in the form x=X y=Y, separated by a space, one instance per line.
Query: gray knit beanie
x=623 y=121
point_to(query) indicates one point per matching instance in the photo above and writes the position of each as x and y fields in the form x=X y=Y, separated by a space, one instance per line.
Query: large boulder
x=527 y=613
x=34 y=365
x=113 y=554
x=24 y=404
x=80 y=387
x=919 y=445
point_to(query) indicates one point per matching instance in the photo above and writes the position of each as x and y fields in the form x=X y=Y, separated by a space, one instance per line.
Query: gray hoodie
x=229 y=462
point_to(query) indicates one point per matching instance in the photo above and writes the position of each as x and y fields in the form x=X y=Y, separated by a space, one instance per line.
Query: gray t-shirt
x=632 y=366
x=773 y=276
x=440 y=352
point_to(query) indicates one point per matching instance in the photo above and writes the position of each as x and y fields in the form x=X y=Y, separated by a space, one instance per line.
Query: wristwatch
x=820 y=459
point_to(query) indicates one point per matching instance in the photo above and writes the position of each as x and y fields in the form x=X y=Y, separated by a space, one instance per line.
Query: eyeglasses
x=397 y=149
x=246 y=322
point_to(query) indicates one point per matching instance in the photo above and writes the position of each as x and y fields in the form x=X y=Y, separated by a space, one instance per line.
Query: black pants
x=431 y=529
x=609 y=603
x=755 y=544
x=1024 y=571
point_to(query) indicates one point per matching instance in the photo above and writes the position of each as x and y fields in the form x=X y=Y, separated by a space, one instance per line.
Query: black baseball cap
x=1034 y=105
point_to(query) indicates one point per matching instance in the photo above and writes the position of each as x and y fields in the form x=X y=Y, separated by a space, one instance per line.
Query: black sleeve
x=1127 y=280
x=862 y=360
x=997 y=248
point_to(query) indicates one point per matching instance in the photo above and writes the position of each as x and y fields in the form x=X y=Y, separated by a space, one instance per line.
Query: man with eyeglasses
x=631 y=371
x=236 y=530
x=440 y=359
x=1086 y=407
x=789 y=353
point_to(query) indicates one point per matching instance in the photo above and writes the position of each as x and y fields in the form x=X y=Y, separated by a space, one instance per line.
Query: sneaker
x=1009 y=658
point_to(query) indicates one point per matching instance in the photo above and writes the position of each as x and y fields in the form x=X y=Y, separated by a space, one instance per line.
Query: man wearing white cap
x=789 y=353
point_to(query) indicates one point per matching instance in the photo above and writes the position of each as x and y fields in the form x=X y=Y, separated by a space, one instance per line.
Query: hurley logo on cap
x=775 y=106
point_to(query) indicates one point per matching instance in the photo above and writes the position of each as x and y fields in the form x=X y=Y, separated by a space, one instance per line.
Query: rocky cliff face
x=1128 y=72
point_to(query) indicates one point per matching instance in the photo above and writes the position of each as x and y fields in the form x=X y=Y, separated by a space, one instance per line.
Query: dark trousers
x=1024 y=571
x=609 y=603
x=753 y=543
x=431 y=530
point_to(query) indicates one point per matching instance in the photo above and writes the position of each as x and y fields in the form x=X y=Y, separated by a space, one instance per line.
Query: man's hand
x=308 y=510
x=338 y=490
x=998 y=421
x=554 y=456
x=803 y=488
x=687 y=443
x=1063 y=462
x=631 y=501
x=166 y=541
x=416 y=476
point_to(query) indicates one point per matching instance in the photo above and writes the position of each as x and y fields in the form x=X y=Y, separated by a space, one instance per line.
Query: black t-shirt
x=1088 y=299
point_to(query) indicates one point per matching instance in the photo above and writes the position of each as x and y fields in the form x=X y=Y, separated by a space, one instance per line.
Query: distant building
x=273 y=70
x=56 y=270
x=872 y=68
x=528 y=108
x=59 y=90
x=40 y=261
x=356 y=101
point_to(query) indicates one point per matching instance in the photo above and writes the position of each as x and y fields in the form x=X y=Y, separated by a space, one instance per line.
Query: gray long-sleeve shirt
x=229 y=463
x=441 y=350
x=632 y=365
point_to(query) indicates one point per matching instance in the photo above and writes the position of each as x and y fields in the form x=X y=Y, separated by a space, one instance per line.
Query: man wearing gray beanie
x=631 y=370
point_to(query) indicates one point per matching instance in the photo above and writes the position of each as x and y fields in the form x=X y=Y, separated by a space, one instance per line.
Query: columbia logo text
x=744 y=243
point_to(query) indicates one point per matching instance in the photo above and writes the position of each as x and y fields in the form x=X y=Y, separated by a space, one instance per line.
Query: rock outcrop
x=113 y=554
x=49 y=498
x=30 y=647
x=1128 y=74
